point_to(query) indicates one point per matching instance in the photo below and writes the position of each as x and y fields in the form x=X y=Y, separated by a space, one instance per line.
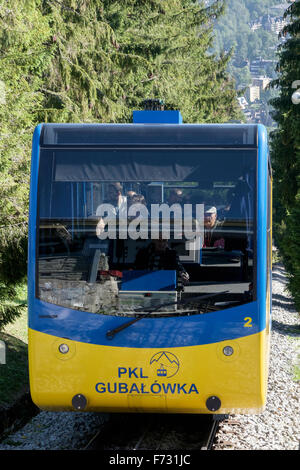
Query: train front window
x=157 y=231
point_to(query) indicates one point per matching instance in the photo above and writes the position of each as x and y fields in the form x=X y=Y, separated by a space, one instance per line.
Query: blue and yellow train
x=150 y=266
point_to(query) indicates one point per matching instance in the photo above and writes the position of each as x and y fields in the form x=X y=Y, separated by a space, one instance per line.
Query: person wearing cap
x=211 y=237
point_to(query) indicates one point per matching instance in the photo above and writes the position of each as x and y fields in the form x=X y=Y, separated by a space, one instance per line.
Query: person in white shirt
x=117 y=201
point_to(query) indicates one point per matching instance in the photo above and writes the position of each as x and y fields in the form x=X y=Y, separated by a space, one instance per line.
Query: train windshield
x=163 y=231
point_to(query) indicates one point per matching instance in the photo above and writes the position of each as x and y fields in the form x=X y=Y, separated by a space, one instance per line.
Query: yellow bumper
x=177 y=380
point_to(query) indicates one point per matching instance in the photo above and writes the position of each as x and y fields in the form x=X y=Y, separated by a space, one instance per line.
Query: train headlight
x=63 y=348
x=228 y=351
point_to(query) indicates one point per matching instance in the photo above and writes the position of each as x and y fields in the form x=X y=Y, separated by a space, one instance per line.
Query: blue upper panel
x=157 y=117
x=150 y=135
x=148 y=332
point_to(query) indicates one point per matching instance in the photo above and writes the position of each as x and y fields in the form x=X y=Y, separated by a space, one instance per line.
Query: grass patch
x=14 y=374
x=276 y=257
x=297 y=370
x=14 y=379
x=297 y=373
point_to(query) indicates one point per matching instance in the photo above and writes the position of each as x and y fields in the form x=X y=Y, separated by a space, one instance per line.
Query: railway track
x=125 y=432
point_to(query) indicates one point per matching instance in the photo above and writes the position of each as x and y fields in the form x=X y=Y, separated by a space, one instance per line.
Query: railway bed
x=156 y=432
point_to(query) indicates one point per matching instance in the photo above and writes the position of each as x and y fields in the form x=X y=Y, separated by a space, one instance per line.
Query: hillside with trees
x=247 y=29
x=250 y=29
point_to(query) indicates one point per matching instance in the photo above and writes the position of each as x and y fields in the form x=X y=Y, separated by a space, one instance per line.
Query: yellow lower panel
x=174 y=380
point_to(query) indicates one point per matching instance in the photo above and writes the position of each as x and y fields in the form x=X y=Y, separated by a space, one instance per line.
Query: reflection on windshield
x=130 y=247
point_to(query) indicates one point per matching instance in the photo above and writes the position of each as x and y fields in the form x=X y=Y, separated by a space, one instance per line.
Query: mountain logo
x=165 y=364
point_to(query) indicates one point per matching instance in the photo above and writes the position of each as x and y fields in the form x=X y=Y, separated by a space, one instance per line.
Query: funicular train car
x=150 y=266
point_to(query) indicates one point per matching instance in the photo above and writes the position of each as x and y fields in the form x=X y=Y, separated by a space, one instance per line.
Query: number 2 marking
x=248 y=321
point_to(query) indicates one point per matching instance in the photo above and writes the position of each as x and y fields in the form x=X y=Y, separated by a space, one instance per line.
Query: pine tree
x=110 y=56
x=23 y=57
x=173 y=38
x=285 y=150
x=81 y=84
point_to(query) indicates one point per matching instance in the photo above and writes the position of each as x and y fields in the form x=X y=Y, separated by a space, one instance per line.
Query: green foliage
x=81 y=83
x=23 y=56
x=96 y=61
x=9 y=310
x=13 y=267
x=111 y=55
x=173 y=38
x=285 y=151
x=13 y=253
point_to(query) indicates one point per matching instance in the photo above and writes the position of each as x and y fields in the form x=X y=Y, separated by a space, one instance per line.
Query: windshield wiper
x=111 y=333
x=183 y=301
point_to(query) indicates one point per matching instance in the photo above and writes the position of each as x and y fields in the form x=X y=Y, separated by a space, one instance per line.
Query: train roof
x=140 y=135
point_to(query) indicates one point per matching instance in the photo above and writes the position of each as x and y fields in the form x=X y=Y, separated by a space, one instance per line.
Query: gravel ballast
x=277 y=428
